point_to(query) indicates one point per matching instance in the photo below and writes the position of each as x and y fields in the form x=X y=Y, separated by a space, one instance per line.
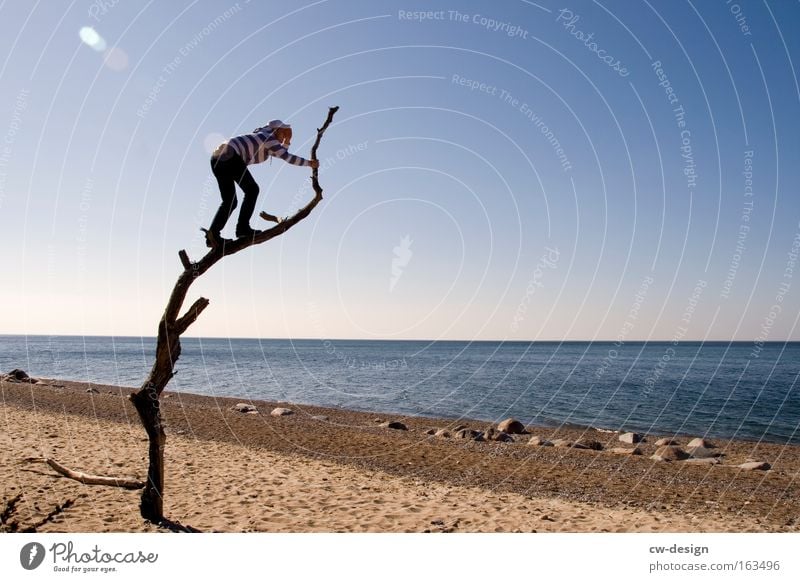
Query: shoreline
x=694 y=394
x=393 y=466
x=552 y=425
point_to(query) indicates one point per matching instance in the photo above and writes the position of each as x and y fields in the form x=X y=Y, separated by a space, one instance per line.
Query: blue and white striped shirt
x=256 y=147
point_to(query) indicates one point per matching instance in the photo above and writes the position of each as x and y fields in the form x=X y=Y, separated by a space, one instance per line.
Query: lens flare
x=90 y=37
x=116 y=59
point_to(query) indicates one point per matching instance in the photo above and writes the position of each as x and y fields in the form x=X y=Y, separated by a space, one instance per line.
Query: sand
x=234 y=472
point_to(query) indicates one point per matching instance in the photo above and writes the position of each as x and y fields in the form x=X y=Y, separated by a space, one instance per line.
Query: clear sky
x=507 y=170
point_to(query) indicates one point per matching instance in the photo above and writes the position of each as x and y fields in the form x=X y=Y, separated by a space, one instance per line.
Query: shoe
x=246 y=232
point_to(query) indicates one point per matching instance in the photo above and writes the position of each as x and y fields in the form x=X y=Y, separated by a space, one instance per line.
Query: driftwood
x=173 y=325
x=85 y=478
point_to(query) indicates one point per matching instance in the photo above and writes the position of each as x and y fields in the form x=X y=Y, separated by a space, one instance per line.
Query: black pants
x=229 y=169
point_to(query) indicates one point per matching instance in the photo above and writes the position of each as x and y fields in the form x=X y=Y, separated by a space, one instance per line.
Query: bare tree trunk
x=171 y=327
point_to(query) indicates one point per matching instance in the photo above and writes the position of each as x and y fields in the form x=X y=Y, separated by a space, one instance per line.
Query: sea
x=715 y=389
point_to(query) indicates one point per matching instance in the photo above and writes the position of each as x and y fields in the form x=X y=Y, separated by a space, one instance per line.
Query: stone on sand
x=562 y=443
x=511 y=426
x=631 y=438
x=281 y=411
x=394 y=425
x=667 y=442
x=670 y=453
x=468 y=434
x=567 y=444
x=17 y=375
x=700 y=442
x=702 y=453
x=499 y=436
x=590 y=444
x=244 y=407
x=538 y=441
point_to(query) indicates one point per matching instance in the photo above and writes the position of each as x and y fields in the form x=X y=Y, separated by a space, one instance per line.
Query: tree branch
x=85 y=478
x=191 y=315
x=187 y=264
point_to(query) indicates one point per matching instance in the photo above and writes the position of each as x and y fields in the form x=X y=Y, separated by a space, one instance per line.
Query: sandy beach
x=331 y=470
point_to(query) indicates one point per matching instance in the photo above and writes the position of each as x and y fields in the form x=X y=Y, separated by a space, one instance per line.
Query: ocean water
x=715 y=389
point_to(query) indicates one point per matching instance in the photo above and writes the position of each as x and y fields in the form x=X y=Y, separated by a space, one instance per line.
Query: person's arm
x=276 y=149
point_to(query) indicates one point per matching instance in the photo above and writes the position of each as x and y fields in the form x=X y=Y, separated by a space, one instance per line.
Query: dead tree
x=173 y=325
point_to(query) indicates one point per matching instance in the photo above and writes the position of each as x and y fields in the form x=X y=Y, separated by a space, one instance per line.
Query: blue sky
x=513 y=170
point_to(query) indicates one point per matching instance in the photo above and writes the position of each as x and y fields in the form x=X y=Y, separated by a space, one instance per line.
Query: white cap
x=278 y=124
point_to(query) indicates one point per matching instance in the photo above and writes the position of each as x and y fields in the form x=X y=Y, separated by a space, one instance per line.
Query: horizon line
x=339 y=339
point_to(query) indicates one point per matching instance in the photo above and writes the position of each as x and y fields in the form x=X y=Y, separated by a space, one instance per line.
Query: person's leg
x=227 y=190
x=250 y=189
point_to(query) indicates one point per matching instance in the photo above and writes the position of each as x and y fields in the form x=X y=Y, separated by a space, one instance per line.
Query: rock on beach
x=394 y=425
x=701 y=442
x=670 y=453
x=495 y=435
x=631 y=438
x=538 y=441
x=667 y=442
x=244 y=407
x=511 y=426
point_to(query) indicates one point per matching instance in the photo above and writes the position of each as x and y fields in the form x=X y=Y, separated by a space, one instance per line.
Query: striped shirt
x=256 y=147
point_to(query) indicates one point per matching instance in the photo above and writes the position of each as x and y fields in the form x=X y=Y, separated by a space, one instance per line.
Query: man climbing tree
x=172 y=325
x=229 y=164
